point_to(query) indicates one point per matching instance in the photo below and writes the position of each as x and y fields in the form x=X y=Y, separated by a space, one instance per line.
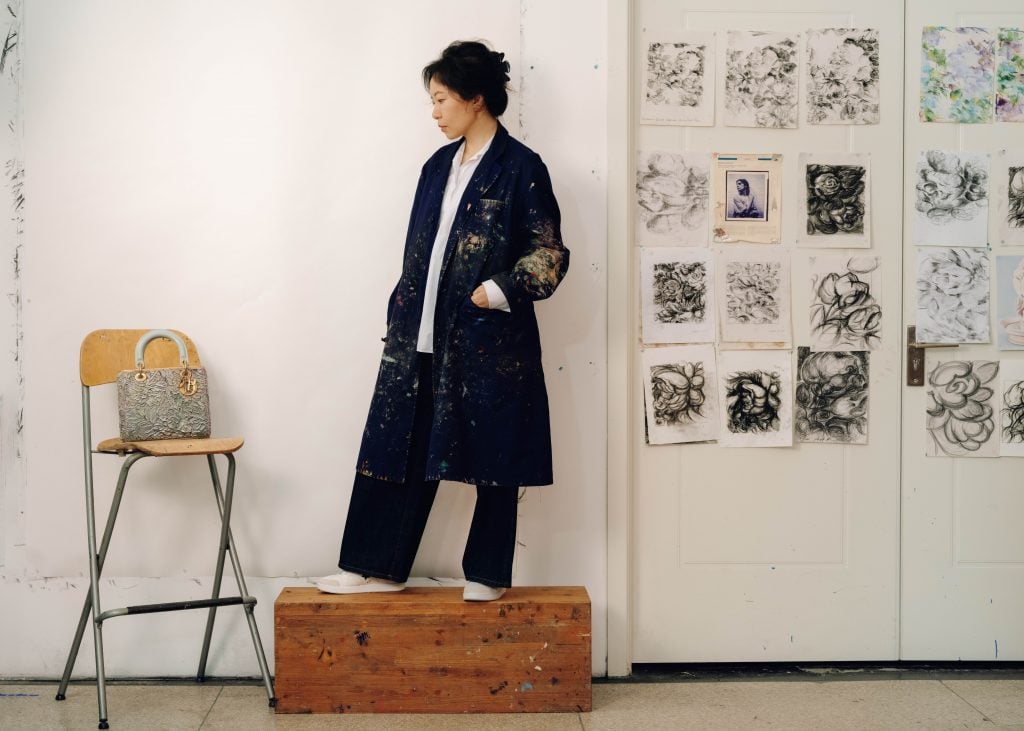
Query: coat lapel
x=483 y=178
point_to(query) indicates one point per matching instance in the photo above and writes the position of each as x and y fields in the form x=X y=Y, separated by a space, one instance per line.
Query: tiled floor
x=896 y=701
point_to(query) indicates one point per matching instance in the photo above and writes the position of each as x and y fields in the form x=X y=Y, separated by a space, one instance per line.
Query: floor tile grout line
x=984 y=716
x=210 y=709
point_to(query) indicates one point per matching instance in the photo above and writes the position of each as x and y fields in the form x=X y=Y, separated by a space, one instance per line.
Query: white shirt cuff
x=495 y=297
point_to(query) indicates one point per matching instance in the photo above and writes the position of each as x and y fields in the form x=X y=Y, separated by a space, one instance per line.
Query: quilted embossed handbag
x=162 y=403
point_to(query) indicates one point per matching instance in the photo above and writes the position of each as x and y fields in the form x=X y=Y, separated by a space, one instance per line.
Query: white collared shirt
x=458 y=180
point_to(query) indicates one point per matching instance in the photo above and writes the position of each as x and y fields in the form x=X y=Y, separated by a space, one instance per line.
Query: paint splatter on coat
x=491 y=423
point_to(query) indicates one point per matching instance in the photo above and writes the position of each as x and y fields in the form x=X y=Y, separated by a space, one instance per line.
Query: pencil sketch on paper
x=842 y=76
x=957 y=74
x=952 y=198
x=756 y=398
x=678 y=79
x=677 y=287
x=679 y=392
x=961 y=418
x=1011 y=411
x=845 y=310
x=831 y=397
x=761 y=79
x=1010 y=76
x=952 y=296
x=672 y=198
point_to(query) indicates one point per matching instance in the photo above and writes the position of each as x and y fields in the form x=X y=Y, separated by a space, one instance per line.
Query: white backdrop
x=243 y=171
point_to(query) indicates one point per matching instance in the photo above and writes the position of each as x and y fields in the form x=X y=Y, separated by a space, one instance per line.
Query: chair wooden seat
x=172 y=447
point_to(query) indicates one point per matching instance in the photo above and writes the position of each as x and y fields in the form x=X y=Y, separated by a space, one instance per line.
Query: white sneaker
x=476 y=592
x=347 y=582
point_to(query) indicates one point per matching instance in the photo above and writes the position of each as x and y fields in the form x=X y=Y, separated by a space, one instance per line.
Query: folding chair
x=104 y=354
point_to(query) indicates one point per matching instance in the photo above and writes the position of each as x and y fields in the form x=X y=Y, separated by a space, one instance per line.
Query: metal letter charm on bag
x=162 y=403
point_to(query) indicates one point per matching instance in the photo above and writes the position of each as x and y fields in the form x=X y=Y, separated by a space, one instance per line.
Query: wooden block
x=425 y=650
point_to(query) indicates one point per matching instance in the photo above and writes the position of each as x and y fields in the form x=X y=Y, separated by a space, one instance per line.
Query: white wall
x=243 y=171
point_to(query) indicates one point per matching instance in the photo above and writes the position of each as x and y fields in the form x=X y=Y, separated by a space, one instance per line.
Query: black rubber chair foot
x=59 y=697
x=200 y=678
x=104 y=724
x=272 y=703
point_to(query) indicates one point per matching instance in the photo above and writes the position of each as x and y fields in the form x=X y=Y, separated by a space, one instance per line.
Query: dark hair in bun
x=470 y=68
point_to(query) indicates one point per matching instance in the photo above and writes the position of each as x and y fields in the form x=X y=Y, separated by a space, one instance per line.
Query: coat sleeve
x=543 y=259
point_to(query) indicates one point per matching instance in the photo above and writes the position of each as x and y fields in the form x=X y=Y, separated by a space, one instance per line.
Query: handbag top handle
x=140 y=347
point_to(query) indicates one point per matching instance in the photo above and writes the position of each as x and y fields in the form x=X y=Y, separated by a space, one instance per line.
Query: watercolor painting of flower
x=1010 y=76
x=957 y=74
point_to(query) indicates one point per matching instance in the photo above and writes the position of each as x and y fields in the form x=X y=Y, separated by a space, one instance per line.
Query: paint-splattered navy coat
x=490 y=422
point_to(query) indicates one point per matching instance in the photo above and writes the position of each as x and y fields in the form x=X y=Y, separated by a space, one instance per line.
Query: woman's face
x=454 y=114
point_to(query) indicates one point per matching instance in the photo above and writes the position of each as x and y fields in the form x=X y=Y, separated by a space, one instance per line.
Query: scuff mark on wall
x=12 y=466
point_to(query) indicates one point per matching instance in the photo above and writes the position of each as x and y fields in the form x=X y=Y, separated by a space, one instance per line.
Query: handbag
x=162 y=403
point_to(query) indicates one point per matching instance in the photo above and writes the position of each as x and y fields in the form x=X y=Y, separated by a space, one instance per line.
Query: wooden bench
x=425 y=650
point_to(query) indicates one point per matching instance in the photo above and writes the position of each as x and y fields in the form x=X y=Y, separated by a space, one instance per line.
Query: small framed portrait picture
x=747 y=198
x=746 y=195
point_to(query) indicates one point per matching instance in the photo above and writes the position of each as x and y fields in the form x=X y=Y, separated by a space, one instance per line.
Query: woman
x=743 y=203
x=460 y=393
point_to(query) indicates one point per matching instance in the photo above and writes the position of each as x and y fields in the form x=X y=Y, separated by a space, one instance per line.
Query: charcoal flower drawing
x=677 y=290
x=761 y=80
x=1015 y=197
x=753 y=402
x=952 y=296
x=680 y=290
x=952 y=198
x=757 y=398
x=842 y=76
x=681 y=404
x=678 y=391
x=752 y=293
x=961 y=419
x=672 y=198
x=845 y=311
x=831 y=397
x=678 y=79
x=835 y=199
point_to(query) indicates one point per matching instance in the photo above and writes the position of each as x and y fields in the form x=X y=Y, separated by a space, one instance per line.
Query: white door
x=963 y=547
x=787 y=553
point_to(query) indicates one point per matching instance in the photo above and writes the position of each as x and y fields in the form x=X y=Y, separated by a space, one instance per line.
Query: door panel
x=788 y=553
x=963 y=548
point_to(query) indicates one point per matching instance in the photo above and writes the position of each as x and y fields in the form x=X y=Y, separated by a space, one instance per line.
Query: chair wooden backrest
x=105 y=353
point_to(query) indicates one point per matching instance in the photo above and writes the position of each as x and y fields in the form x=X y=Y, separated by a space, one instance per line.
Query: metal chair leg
x=218 y=574
x=115 y=505
x=224 y=507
